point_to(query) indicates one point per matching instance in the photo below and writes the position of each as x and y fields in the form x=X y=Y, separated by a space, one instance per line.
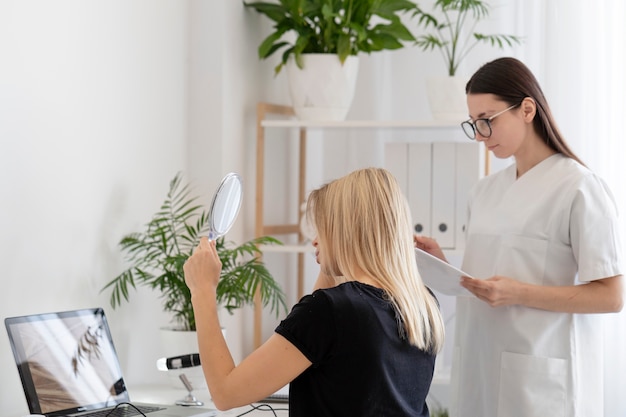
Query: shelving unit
x=264 y=110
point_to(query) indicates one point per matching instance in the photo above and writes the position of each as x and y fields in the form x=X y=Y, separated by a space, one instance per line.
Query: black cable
x=263 y=407
x=128 y=404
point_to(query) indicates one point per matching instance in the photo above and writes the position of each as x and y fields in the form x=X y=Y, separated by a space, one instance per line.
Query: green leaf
x=269 y=45
x=271 y=10
x=380 y=41
x=344 y=47
x=498 y=40
x=430 y=42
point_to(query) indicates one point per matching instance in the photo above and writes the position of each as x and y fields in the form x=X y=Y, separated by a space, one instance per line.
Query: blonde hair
x=363 y=222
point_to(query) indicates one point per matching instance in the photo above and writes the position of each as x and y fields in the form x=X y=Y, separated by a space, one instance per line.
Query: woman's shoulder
x=351 y=288
x=576 y=176
x=324 y=296
x=570 y=166
x=324 y=303
x=575 y=182
x=350 y=291
x=557 y=167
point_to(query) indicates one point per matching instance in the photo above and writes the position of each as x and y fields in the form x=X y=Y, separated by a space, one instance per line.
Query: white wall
x=101 y=104
x=92 y=128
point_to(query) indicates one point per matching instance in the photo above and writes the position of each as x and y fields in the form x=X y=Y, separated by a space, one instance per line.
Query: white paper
x=439 y=275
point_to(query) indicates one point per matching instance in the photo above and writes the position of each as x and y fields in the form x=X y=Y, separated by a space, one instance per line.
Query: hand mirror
x=225 y=205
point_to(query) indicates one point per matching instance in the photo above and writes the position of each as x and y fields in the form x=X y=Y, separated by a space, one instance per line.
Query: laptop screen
x=67 y=361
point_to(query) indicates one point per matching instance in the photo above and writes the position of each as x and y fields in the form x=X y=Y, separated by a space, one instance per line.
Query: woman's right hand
x=429 y=245
x=203 y=268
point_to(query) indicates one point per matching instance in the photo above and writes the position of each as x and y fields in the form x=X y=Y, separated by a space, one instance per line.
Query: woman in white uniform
x=542 y=235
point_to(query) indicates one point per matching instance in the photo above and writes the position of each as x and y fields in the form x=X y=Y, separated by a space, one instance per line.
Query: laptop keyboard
x=123 y=411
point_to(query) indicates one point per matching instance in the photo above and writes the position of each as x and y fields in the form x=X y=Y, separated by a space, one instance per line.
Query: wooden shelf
x=362 y=124
x=301 y=248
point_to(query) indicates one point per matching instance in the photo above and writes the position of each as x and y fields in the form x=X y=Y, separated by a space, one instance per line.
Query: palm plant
x=342 y=27
x=157 y=256
x=449 y=30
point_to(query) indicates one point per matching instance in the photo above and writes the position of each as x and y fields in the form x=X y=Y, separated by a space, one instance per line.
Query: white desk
x=163 y=394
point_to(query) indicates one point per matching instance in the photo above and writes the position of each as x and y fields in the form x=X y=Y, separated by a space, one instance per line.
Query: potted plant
x=454 y=34
x=157 y=256
x=329 y=34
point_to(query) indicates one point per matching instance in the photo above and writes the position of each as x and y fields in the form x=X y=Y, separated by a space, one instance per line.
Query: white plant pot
x=446 y=96
x=324 y=88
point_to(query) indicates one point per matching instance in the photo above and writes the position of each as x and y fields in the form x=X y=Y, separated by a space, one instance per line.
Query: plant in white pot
x=158 y=253
x=451 y=29
x=325 y=37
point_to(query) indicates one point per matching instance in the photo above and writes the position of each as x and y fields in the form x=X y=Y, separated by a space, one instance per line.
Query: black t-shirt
x=361 y=364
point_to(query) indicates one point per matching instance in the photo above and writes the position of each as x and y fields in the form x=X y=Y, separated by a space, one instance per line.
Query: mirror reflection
x=225 y=205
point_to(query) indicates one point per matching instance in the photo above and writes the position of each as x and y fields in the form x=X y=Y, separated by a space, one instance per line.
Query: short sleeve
x=594 y=231
x=310 y=327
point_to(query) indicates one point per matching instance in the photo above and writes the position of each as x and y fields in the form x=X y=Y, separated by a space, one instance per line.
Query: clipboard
x=440 y=276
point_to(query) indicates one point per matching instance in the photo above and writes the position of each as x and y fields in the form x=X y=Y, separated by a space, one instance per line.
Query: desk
x=163 y=394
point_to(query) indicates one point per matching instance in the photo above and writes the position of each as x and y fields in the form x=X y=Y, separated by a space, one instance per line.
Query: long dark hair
x=512 y=81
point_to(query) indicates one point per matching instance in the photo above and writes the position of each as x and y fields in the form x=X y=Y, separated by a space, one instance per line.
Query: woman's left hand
x=496 y=291
x=599 y=296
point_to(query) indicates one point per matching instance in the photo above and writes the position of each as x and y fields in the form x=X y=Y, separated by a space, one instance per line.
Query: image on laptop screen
x=67 y=361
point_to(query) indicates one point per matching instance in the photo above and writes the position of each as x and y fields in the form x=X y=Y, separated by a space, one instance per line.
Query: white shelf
x=366 y=124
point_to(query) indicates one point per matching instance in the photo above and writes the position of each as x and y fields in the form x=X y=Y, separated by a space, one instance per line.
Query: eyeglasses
x=482 y=126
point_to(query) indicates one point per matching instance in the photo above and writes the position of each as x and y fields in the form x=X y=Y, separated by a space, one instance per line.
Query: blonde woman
x=364 y=342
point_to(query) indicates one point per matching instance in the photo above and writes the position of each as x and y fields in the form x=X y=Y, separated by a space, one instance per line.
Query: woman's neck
x=364 y=278
x=532 y=154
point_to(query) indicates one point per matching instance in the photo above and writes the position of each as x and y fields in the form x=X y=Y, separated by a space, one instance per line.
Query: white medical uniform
x=555 y=225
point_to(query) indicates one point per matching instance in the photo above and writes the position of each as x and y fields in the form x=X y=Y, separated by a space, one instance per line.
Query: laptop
x=280 y=396
x=69 y=367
